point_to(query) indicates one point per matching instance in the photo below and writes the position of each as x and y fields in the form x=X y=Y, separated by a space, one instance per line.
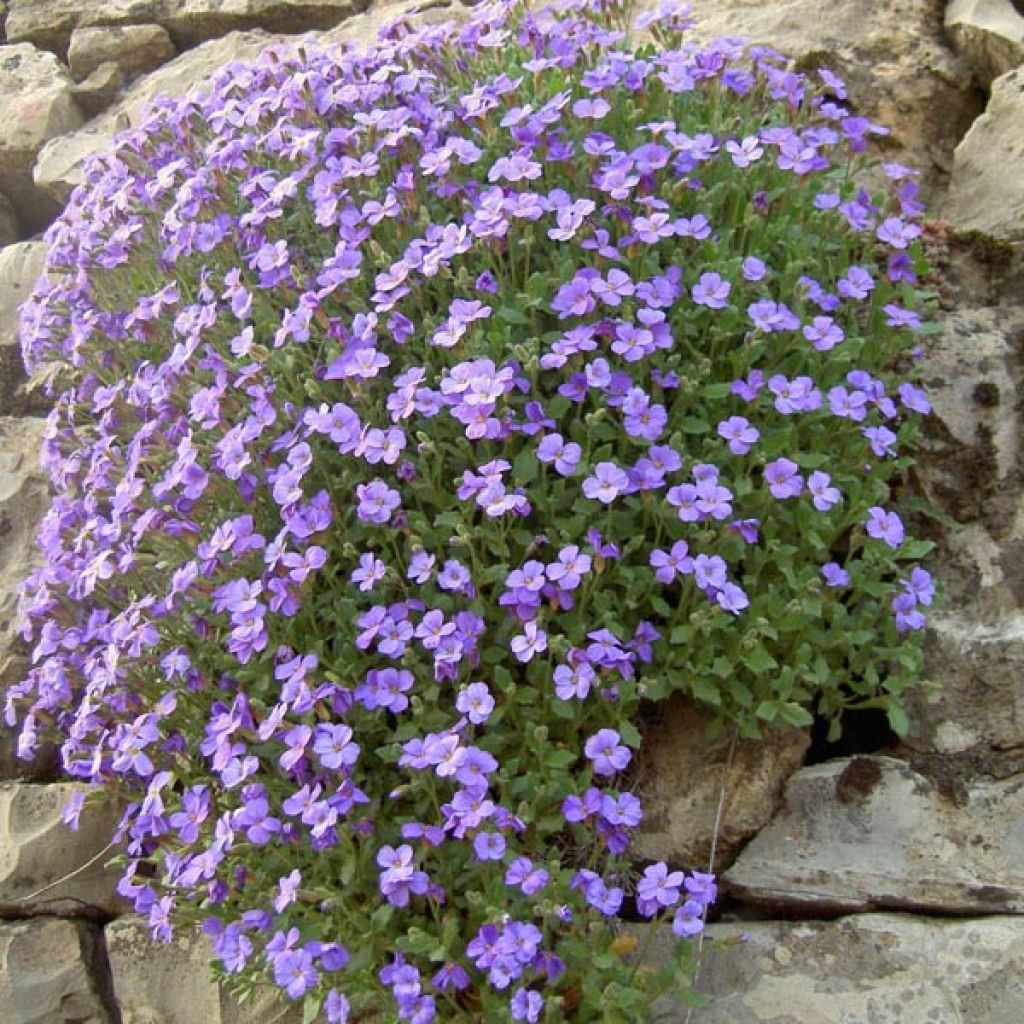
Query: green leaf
x=759 y=661
x=525 y=467
x=705 y=690
x=511 y=315
x=794 y=714
x=630 y=734
x=898 y=721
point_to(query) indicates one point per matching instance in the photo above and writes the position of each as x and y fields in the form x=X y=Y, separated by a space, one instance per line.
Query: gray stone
x=989 y=33
x=361 y=31
x=987 y=186
x=10 y=231
x=977 y=700
x=99 y=89
x=45 y=867
x=970 y=372
x=968 y=469
x=682 y=776
x=50 y=23
x=52 y=972
x=20 y=265
x=862 y=969
x=170 y=983
x=899 y=69
x=23 y=500
x=135 y=49
x=35 y=105
x=871 y=833
x=59 y=166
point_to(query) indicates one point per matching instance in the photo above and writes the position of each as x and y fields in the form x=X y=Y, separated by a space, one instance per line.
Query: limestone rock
x=968 y=468
x=23 y=499
x=169 y=984
x=871 y=833
x=99 y=89
x=989 y=33
x=970 y=372
x=50 y=23
x=362 y=30
x=893 y=56
x=35 y=105
x=862 y=969
x=10 y=232
x=135 y=49
x=58 y=168
x=977 y=701
x=20 y=265
x=682 y=775
x=51 y=973
x=987 y=187
x=38 y=851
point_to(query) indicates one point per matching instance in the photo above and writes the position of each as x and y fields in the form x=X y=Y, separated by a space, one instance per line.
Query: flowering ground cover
x=422 y=416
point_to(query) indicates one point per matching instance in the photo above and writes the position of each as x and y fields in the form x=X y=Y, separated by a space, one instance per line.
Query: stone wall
x=874 y=881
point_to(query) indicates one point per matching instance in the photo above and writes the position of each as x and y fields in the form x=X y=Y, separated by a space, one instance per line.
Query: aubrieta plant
x=424 y=415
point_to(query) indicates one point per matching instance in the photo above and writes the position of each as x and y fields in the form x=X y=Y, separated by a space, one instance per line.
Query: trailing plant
x=423 y=415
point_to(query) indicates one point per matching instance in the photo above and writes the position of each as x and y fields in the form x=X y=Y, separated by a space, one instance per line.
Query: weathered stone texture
x=987 y=187
x=135 y=49
x=20 y=265
x=871 y=833
x=862 y=969
x=52 y=972
x=682 y=774
x=170 y=984
x=50 y=23
x=35 y=105
x=38 y=852
x=989 y=33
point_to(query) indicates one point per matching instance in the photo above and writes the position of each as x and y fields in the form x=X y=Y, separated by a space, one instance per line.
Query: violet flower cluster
x=421 y=417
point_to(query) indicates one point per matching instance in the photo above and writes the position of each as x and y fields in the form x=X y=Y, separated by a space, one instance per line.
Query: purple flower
x=489 y=846
x=783 y=478
x=732 y=598
x=920 y=586
x=295 y=973
x=914 y=399
x=526 y=1005
x=606 y=752
x=835 y=575
x=377 y=501
x=573 y=681
x=753 y=269
x=857 y=283
x=886 y=526
x=906 y=613
x=606 y=483
x=565 y=455
x=420 y=566
x=668 y=563
x=711 y=290
x=533 y=640
x=523 y=874
x=688 y=920
x=475 y=702
x=370 y=572
x=568 y=570
x=739 y=433
x=895 y=232
x=659 y=887
x=823 y=494
x=823 y=333
x=334 y=745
